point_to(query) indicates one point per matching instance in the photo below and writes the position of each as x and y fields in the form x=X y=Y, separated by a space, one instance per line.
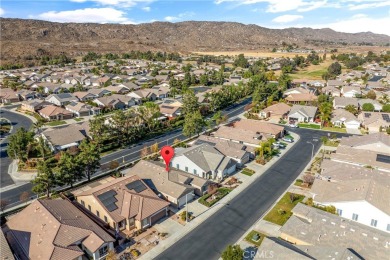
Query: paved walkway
x=210 y=211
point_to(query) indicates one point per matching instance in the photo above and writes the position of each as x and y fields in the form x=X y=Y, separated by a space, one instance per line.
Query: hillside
x=25 y=37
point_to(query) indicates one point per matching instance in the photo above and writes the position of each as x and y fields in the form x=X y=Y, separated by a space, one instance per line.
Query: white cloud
x=146 y=8
x=277 y=6
x=181 y=16
x=87 y=15
x=121 y=3
x=367 y=5
x=2 y=11
x=288 y=18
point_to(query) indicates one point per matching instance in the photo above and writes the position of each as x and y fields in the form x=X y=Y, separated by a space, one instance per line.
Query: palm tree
x=325 y=112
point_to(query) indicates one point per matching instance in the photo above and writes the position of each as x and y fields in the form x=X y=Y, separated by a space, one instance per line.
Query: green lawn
x=78 y=119
x=248 y=172
x=298 y=182
x=312 y=126
x=282 y=210
x=56 y=123
x=250 y=236
x=334 y=129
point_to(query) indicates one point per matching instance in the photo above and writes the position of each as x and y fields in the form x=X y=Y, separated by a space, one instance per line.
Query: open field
x=263 y=54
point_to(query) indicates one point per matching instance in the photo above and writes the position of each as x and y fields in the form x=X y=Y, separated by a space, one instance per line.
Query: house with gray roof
x=309 y=226
x=61 y=99
x=341 y=118
x=377 y=142
x=342 y=102
x=204 y=161
x=62 y=138
x=299 y=113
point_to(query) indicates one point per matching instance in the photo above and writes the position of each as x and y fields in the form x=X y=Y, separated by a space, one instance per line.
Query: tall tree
x=190 y=102
x=69 y=169
x=43 y=147
x=46 y=179
x=193 y=124
x=18 y=144
x=89 y=158
x=325 y=112
x=351 y=109
x=98 y=130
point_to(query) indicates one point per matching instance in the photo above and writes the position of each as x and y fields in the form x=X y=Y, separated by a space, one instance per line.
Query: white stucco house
x=300 y=113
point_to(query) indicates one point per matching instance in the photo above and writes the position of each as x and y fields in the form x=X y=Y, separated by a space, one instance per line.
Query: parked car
x=293 y=125
x=288 y=139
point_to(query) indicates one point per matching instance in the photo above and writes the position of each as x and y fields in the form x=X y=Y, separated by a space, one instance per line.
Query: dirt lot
x=253 y=54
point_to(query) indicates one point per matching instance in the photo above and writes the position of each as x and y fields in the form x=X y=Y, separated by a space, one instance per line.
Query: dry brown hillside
x=25 y=37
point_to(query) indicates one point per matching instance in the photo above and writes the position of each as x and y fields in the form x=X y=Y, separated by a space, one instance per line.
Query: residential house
x=124 y=203
x=6 y=253
x=143 y=94
x=311 y=226
x=99 y=92
x=374 y=121
x=238 y=152
x=61 y=99
x=300 y=113
x=357 y=193
x=377 y=142
x=249 y=138
x=306 y=98
x=335 y=83
x=297 y=90
x=80 y=109
x=161 y=91
x=110 y=102
x=331 y=91
x=117 y=89
x=341 y=118
x=342 y=102
x=52 y=112
x=175 y=186
x=26 y=94
x=34 y=105
x=169 y=111
x=8 y=95
x=350 y=91
x=204 y=161
x=62 y=138
x=84 y=95
x=272 y=130
x=130 y=85
x=376 y=104
x=56 y=229
x=276 y=111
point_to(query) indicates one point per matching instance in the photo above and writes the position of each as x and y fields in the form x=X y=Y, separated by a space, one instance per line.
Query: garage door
x=158 y=216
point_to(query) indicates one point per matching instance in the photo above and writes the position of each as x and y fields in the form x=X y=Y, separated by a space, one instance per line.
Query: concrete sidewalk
x=153 y=253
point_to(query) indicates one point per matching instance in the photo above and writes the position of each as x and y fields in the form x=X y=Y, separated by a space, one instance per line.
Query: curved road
x=17 y=122
x=229 y=223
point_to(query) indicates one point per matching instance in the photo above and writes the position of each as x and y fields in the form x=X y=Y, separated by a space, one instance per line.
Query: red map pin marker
x=167 y=154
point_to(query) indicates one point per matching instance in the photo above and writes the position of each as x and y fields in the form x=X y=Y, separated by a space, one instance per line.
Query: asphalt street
x=231 y=221
x=17 y=122
x=12 y=196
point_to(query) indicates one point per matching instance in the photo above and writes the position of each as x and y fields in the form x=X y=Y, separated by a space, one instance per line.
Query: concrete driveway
x=167 y=225
x=353 y=131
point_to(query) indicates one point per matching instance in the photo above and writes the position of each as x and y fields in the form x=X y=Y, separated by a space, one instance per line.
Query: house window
x=145 y=222
x=177 y=166
x=195 y=171
x=355 y=217
x=89 y=207
x=97 y=213
x=105 y=219
x=374 y=222
x=103 y=251
x=186 y=169
x=388 y=227
x=131 y=222
x=339 y=212
x=82 y=203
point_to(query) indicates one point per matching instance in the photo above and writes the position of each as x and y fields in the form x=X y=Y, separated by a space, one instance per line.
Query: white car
x=293 y=126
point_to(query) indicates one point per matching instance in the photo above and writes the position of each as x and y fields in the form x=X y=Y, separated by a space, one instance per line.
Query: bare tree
x=308 y=178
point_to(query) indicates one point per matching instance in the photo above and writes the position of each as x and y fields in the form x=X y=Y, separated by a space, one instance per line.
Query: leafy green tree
x=371 y=95
x=351 y=109
x=98 y=130
x=69 y=169
x=190 y=102
x=334 y=69
x=325 y=112
x=89 y=158
x=43 y=147
x=386 y=108
x=18 y=143
x=204 y=80
x=368 y=107
x=219 y=118
x=193 y=124
x=233 y=252
x=46 y=179
x=241 y=61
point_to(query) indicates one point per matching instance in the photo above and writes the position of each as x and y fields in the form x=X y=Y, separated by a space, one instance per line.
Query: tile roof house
x=341 y=117
x=8 y=95
x=242 y=136
x=124 y=203
x=277 y=111
x=350 y=91
x=34 y=105
x=342 y=102
x=297 y=90
x=300 y=113
x=56 y=229
x=357 y=193
x=310 y=226
x=170 y=111
x=61 y=99
x=117 y=89
x=143 y=94
x=6 y=253
x=378 y=142
x=52 y=112
x=84 y=95
x=204 y=161
x=81 y=109
x=335 y=83
x=99 y=92
x=175 y=186
x=374 y=121
x=61 y=138
x=331 y=91
x=306 y=98
x=257 y=126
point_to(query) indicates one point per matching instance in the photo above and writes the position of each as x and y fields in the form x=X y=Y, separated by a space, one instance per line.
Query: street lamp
x=312 y=150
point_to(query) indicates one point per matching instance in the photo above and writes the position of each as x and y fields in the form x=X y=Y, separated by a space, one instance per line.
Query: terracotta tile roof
x=258 y=126
x=301 y=97
x=5 y=250
x=278 y=109
x=52 y=110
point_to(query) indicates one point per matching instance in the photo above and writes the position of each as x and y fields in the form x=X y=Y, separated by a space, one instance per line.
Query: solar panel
x=108 y=200
x=383 y=158
x=386 y=118
x=137 y=186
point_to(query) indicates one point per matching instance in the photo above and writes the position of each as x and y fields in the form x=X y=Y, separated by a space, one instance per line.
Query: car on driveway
x=288 y=139
x=293 y=125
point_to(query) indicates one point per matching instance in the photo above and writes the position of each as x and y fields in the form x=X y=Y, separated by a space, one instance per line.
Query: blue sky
x=342 y=15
